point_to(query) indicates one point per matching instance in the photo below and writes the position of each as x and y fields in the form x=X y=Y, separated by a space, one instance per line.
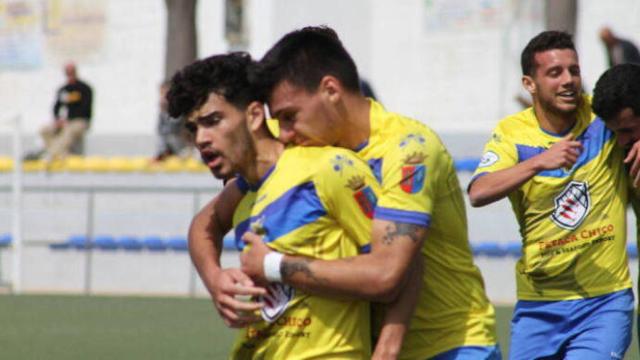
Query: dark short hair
x=546 y=40
x=225 y=75
x=303 y=57
x=618 y=88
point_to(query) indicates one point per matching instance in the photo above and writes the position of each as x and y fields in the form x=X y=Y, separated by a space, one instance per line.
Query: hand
x=252 y=258
x=228 y=284
x=60 y=123
x=633 y=158
x=562 y=154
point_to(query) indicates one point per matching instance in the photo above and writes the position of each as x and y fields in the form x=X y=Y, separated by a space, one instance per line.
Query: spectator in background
x=619 y=51
x=174 y=138
x=72 y=115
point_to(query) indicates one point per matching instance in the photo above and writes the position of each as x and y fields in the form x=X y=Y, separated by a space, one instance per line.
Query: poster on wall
x=74 y=29
x=21 y=40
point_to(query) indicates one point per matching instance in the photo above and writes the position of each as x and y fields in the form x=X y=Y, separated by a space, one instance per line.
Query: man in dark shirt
x=72 y=114
x=619 y=51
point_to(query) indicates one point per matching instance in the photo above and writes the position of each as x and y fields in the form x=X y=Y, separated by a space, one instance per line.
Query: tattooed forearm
x=396 y=230
x=290 y=267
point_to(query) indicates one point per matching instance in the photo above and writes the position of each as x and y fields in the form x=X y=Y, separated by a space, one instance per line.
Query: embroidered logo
x=572 y=205
x=489 y=158
x=364 y=195
x=413 y=173
x=340 y=162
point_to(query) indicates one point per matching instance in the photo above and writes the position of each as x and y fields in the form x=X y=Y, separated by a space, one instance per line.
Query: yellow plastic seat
x=6 y=164
x=96 y=164
x=74 y=163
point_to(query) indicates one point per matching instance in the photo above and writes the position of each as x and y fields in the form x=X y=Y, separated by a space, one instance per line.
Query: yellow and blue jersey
x=420 y=186
x=572 y=221
x=318 y=203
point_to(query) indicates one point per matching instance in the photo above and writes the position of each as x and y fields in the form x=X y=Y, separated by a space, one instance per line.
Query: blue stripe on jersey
x=297 y=207
x=403 y=216
x=242 y=184
x=239 y=230
x=593 y=140
x=365 y=249
x=376 y=168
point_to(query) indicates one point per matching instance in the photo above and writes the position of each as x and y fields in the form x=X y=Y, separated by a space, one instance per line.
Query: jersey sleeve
x=410 y=174
x=499 y=153
x=350 y=192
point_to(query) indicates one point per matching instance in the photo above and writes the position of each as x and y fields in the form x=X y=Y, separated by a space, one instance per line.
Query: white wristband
x=272 y=266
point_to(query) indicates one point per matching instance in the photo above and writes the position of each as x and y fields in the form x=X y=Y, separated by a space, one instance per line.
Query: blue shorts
x=594 y=328
x=471 y=353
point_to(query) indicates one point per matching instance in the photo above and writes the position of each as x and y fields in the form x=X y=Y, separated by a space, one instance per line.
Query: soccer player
x=313 y=202
x=311 y=85
x=559 y=166
x=616 y=100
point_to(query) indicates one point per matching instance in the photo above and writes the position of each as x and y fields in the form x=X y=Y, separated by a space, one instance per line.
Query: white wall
x=457 y=79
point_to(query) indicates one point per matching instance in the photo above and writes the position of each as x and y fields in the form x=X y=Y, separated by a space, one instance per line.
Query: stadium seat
x=78 y=242
x=105 y=242
x=6 y=164
x=514 y=249
x=5 y=240
x=178 y=243
x=229 y=242
x=466 y=164
x=632 y=251
x=129 y=243
x=490 y=249
x=154 y=243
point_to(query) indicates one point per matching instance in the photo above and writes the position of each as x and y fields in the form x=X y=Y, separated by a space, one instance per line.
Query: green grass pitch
x=79 y=327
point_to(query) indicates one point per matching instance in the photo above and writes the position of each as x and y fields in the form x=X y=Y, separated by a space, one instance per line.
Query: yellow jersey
x=572 y=221
x=420 y=186
x=318 y=203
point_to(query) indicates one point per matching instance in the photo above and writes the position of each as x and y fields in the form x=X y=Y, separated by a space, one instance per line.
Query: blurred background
x=112 y=216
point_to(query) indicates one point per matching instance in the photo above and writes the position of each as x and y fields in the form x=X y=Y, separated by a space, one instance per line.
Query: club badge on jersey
x=413 y=173
x=364 y=195
x=572 y=205
x=276 y=301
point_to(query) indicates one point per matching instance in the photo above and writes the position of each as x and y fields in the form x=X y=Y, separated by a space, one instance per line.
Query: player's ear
x=529 y=84
x=255 y=115
x=330 y=88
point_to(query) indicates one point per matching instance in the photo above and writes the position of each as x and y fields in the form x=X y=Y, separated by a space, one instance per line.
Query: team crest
x=364 y=195
x=572 y=205
x=413 y=173
x=276 y=301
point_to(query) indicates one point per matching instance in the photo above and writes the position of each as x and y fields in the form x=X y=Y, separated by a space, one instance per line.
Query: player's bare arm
x=206 y=232
x=398 y=315
x=632 y=160
x=384 y=269
x=497 y=185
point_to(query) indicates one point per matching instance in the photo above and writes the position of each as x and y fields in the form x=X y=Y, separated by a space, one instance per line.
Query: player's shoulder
x=316 y=159
x=517 y=123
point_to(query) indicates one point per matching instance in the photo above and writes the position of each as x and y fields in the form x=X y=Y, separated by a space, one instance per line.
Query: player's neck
x=356 y=124
x=268 y=151
x=553 y=121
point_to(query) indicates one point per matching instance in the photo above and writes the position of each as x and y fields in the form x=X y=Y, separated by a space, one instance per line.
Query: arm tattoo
x=396 y=230
x=289 y=267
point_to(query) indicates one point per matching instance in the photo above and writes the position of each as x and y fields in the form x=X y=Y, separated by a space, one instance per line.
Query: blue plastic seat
x=466 y=164
x=154 y=243
x=80 y=242
x=514 y=249
x=105 y=242
x=5 y=240
x=632 y=251
x=177 y=243
x=129 y=243
x=229 y=242
x=490 y=249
